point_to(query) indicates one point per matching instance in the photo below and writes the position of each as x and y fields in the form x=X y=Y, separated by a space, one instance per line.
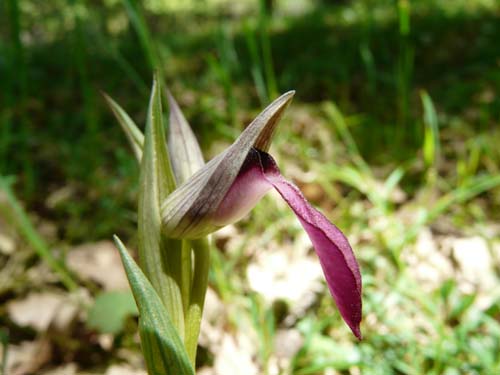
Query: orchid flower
x=226 y=188
x=182 y=200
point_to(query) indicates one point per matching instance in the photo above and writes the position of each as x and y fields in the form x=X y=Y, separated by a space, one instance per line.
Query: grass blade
x=340 y=124
x=256 y=65
x=431 y=132
x=139 y=23
x=14 y=212
x=462 y=194
x=272 y=89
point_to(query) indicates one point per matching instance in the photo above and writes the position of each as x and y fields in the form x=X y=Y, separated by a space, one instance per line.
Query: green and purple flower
x=223 y=190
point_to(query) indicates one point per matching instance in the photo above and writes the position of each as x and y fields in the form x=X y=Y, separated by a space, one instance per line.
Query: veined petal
x=335 y=254
x=184 y=150
x=188 y=211
x=248 y=188
x=258 y=174
x=134 y=135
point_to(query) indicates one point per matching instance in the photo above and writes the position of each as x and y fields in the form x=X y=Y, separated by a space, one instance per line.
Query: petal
x=188 y=211
x=335 y=254
x=184 y=150
x=248 y=188
x=134 y=135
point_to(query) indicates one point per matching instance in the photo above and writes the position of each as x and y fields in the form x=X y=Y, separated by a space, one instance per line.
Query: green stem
x=201 y=252
x=185 y=274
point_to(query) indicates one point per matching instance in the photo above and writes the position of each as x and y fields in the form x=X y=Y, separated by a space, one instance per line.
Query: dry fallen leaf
x=67 y=369
x=40 y=310
x=430 y=266
x=235 y=356
x=124 y=370
x=273 y=275
x=7 y=244
x=214 y=319
x=474 y=260
x=28 y=357
x=205 y=371
x=99 y=262
x=476 y=269
x=60 y=196
x=287 y=343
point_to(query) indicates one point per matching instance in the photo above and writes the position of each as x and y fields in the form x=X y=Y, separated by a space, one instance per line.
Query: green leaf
x=163 y=350
x=134 y=135
x=108 y=313
x=462 y=305
x=431 y=132
x=161 y=259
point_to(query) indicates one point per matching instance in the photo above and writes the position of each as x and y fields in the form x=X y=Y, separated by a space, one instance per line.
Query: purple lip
x=257 y=176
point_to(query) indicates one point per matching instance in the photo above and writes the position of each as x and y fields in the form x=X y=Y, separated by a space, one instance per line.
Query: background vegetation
x=393 y=133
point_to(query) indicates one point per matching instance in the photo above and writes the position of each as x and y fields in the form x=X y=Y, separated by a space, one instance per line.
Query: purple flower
x=227 y=187
x=257 y=176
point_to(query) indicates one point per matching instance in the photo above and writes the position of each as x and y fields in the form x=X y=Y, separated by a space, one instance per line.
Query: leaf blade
x=133 y=133
x=163 y=349
x=159 y=257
